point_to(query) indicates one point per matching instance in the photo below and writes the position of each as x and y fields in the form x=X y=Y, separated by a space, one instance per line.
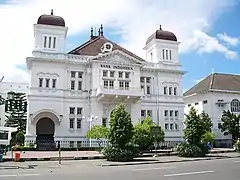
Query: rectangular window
x=143 y=113
x=45 y=41
x=148 y=90
x=170 y=91
x=127 y=85
x=196 y=103
x=72 y=110
x=127 y=75
x=142 y=79
x=149 y=113
x=165 y=90
x=171 y=113
x=111 y=84
x=176 y=113
x=148 y=80
x=72 y=85
x=54 y=83
x=71 y=123
x=175 y=91
x=142 y=87
x=105 y=73
x=79 y=111
x=165 y=113
x=163 y=55
x=176 y=126
x=40 y=82
x=105 y=84
x=166 y=54
x=112 y=73
x=120 y=74
x=80 y=75
x=121 y=84
x=170 y=55
x=171 y=126
x=79 y=85
x=47 y=83
x=71 y=144
x=49 y=42
x=104 y=122
x=54 y=42
x=166 y=126
x=73 y=74
x=79 y=123
x=205 y=102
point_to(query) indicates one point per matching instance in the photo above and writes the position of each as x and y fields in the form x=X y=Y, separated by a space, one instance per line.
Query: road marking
x=188 y=173
x=18 y=175
x=237 y=161
x=149 y=169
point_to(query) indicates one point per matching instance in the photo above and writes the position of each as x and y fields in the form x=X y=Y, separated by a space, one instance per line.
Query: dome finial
x=160 y=27
x=51 y=11
x=91 y=33
x=101 y=30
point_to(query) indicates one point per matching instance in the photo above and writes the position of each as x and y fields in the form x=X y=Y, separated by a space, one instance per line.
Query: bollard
x=59 y=152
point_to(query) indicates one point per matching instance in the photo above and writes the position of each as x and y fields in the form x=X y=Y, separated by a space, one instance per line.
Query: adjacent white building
x=5 y=87
x=69 y=92
x=215 y=93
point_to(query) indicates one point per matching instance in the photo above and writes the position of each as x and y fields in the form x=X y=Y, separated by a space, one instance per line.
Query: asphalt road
x=208 y=170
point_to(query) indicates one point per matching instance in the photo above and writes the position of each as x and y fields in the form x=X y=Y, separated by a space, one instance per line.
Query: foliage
x=120 y=136
x=97 y=132
x=192 y=150
x=206 y=120
x=121 y=128
x=230 y=124
x=208 y=137
x=142 y=134
x=196 y=127
x=20 y=138
x=16 y=110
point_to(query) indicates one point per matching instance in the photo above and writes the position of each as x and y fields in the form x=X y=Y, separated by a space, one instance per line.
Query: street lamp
x=90 y=119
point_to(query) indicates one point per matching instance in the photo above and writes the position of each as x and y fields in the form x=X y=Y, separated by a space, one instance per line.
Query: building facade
x=70 y=92
x=215 y=93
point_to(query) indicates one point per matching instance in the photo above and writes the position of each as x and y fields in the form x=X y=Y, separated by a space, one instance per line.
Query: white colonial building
x=70 y=92
x=215 y=93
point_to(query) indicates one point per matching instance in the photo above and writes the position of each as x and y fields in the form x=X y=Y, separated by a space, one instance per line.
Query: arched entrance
x=45 y=129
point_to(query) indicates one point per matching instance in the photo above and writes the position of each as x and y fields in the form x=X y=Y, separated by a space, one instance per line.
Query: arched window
x=235 y=105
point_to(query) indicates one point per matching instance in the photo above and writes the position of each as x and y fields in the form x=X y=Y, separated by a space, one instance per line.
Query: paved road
x=207 y=170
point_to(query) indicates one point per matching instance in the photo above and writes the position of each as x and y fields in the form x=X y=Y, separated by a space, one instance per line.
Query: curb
x=99 y=157
x=164 y=162
x=56 y=158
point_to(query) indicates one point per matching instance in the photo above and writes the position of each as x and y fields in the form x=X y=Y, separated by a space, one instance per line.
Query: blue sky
x=209 y=31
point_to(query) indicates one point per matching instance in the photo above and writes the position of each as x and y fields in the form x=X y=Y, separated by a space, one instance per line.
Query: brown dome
x=163 y=35
x=51 y=20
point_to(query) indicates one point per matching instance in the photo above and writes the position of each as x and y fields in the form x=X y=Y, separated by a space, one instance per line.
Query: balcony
x=118 y=94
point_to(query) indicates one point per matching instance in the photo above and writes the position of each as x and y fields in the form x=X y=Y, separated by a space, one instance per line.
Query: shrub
x=186 y=149
x=237 y=145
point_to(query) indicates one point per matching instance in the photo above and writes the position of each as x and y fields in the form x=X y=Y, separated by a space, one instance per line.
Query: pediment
x=118 y=57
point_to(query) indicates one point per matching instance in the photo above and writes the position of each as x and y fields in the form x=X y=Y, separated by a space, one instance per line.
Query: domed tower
x=162 y=46
x=50 y=34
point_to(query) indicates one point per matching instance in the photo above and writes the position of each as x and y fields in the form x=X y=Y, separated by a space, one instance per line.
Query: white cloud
x=204 y=43
x=232 y=41
x=133 y=20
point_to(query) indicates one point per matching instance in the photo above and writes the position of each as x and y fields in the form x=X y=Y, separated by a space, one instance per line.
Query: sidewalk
x=82 y=155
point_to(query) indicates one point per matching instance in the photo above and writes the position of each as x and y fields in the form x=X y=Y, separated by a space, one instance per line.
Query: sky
x=208 y=30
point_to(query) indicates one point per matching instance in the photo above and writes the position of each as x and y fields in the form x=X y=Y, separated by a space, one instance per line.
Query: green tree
x=206 y=120
x=230 y=124
x=208 y=137
x=97 y=132
x=193 y=145
x=16 y=109
x=120 y=136
x=20 y=139
x=142 y=134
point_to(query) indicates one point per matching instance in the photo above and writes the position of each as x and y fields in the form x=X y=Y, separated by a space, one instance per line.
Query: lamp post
x=90 y=119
